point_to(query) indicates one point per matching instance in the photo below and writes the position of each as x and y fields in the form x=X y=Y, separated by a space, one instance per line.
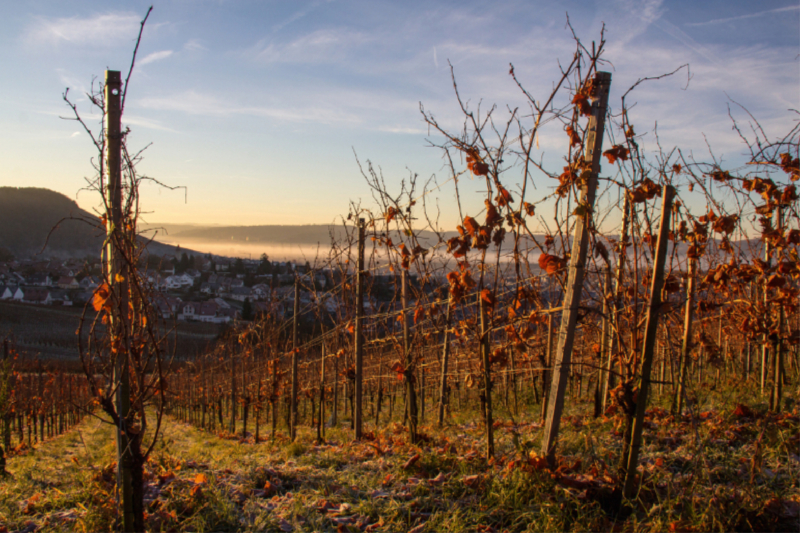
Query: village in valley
x=190 y=287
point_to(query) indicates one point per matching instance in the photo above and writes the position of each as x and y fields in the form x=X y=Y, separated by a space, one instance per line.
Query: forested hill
x=28 y=214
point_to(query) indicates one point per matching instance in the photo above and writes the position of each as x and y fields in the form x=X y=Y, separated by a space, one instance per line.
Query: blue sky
x=257 y=107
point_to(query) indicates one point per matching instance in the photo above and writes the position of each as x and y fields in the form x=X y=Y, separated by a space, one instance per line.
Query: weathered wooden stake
x=274 y=398
x=359 y=333
x=606 y=354
x=566 y=337
x=765 y=346
x=295 y=348
x=687 y=337
x=777 y=345
x=6 y=409
x=321 y=421
x=118 y=280
x=548 y=362
x=650 y=336
x=335 y=413
x=411 y=393
x=233 y=395
x=487 y=379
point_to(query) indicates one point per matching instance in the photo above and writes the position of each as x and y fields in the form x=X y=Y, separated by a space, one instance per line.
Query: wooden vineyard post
x=606 y=354
x=747 y=355
x=765 y=341
x=8 y=413
x=245 y=394
x=617 y=300
x=650 y=337
x=117 y=279
x=335 y=410
x=321 y=421
x=203 y=390
x=359 y=334
x=421 y=361
x=295 y=377
x=257 y=410
x=445 y=358
x=379 y=401
x=566 y=337
x=6 y=409
x=777 y=344
x=273 y=400
x=411 y=393
x=487 y=379
x=232 y=427
x=548 y=361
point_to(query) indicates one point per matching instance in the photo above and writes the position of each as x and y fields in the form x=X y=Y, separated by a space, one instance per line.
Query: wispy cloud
x=156 y=56
x=73 y=82
x=194 y=45
x=403 y=130
x=627 y=18
x=681 y=36
x=300 y=14
x=744 y=17
x=132 y=120
x=102 y=28
x=196 y=103
x=318 y=46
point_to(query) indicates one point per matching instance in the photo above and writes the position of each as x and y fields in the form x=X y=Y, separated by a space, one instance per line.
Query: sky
x=260 y=109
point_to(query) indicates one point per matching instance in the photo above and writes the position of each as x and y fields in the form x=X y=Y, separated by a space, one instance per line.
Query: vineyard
x=592 y=348
x=38 y=401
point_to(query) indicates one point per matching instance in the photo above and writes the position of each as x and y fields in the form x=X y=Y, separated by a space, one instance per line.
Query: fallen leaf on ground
x=418 y=529
x=411 y=461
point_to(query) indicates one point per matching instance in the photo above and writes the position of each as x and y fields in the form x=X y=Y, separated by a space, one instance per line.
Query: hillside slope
x=29 y=214
x=31 y=217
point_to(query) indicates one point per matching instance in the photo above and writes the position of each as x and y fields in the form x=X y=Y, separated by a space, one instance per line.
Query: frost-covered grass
x=716 y=468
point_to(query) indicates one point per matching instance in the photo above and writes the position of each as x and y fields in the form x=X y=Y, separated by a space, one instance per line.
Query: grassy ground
x=727 y=466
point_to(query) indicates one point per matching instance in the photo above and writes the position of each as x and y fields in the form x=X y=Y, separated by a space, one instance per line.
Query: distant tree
x=154 y=262
x=249 y=279
x=247 y=310
x=183 y=264
x=238 y=266
x=6 y=255
x=264 y=267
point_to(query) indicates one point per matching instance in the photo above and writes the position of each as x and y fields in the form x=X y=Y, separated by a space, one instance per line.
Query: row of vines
x=655 y=275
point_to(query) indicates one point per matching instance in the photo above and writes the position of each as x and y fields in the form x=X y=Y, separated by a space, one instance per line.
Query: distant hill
x=29 y=214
